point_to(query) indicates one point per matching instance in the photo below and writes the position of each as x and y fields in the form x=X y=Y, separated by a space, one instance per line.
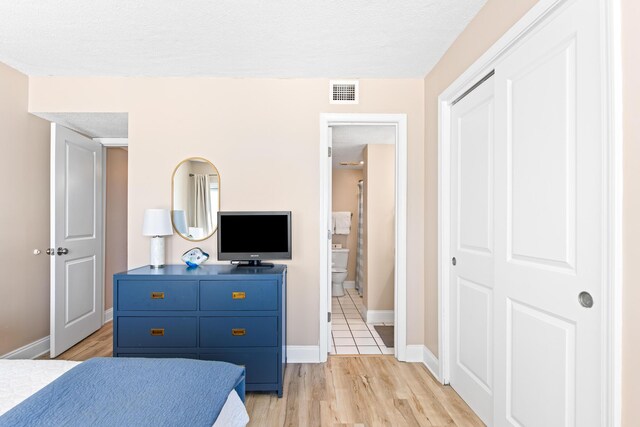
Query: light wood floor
x=346 y=391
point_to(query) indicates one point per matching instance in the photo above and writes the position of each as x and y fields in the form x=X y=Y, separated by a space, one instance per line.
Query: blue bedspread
x=119 y=392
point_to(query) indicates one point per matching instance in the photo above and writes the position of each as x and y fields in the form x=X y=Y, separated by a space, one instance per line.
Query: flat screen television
x=251 y=237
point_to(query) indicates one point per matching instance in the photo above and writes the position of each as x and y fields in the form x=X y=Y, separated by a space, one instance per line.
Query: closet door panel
x=541 y=165
x=549 y=224
x=472 y=245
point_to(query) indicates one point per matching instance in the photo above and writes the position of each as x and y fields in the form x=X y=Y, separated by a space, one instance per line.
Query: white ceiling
x=94 y=125
x=230 y=38
x=348 y=142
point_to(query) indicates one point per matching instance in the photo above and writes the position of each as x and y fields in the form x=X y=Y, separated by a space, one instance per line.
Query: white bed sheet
x=20 y=379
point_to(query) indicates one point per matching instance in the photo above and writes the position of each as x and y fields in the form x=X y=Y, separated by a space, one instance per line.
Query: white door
x=329 y=233
x=472 y=249
x=550 y=224
x=76 y=237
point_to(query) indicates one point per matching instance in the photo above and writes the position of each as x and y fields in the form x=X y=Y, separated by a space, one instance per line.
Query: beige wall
x=493 y=20
x=263 y=136
x=115 y=219
x=345 y=199
x=24 y=174
x=379 y=213
x=631 y=212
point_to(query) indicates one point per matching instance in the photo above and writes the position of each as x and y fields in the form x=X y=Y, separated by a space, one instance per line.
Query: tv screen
x=254 y=236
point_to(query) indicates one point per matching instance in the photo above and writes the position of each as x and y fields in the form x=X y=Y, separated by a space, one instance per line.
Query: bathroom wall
x=379 y=225
x=345 y=199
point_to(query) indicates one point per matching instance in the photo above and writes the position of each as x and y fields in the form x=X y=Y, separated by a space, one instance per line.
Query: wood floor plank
x=357 y=391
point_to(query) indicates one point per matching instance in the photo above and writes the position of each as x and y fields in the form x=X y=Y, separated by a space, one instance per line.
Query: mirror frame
x=173 y=175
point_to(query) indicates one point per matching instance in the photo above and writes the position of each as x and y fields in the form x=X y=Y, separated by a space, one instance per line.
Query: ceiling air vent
x=343 y=92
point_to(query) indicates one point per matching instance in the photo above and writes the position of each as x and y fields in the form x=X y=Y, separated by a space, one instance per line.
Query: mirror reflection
x=195 y=199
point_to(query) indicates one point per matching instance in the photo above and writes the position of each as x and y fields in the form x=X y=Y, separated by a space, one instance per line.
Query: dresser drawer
x=160 y=295
x=261 y=365
x=238 y=332
x=238 y=295
x=167 y=332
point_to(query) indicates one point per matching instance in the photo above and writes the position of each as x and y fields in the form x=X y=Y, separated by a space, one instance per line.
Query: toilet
x=339 y=259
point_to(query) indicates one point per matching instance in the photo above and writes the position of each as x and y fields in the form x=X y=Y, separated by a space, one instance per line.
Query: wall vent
x=343 y=92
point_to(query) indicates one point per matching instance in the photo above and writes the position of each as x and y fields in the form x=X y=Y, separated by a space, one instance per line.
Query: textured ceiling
x=230 y=38
x=348 y=142
x=94 y=125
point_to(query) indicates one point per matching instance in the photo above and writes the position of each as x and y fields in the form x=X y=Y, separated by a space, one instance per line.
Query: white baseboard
x=303 y=354
x=379 y=316
x=431 y=362
x=29 y=351
x=420 y=353
x=349 y=284
x=42 y=346
x=108 y=316
x=414 y=353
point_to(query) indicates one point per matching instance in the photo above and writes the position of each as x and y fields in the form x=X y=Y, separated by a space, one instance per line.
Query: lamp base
x=156 y=254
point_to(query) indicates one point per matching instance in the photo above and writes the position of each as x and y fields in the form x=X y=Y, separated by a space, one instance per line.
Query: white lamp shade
x=157 y=222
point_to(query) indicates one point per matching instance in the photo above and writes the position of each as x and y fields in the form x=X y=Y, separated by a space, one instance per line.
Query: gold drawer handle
x=157 y=332
x=238 y=332
x=238 y=295
x=157 y=295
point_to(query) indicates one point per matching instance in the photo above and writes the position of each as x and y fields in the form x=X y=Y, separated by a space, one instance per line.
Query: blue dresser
x=213 y=312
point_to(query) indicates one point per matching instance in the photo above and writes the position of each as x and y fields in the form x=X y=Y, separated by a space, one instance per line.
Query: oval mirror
x=195 y=199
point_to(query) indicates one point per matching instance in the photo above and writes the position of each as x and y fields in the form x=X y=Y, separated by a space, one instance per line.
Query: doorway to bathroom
x=363 y=259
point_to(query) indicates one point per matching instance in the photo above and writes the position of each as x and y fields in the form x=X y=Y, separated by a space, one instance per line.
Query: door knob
x=454 y=261
x=63 y=251
x=586 y=300
x=50 y=251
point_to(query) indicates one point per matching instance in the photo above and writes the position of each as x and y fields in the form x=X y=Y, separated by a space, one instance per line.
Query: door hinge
x=329 y=152
x=329 y=316
x=329 y=234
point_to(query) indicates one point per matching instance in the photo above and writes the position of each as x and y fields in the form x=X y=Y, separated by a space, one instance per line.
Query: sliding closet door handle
x=585 y=299
x=63 y=251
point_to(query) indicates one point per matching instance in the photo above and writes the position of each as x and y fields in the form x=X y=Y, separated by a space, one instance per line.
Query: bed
x=121 y=391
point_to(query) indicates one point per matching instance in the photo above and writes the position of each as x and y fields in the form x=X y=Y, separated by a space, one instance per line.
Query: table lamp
x=157 y=224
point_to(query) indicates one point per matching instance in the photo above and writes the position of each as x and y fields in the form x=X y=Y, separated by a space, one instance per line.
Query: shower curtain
x=201 y=204
x=359 y=272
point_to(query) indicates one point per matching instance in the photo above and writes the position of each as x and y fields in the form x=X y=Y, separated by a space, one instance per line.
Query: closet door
x=472 y=235
x=550 y=224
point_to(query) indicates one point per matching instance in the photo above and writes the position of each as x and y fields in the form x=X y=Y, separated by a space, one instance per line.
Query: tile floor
x=350 y=333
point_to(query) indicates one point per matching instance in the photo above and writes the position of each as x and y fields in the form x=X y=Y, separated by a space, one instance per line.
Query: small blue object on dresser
x=194 y=257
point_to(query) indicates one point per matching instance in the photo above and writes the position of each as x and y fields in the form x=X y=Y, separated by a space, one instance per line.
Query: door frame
x=611 y=90
x=400 y=274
